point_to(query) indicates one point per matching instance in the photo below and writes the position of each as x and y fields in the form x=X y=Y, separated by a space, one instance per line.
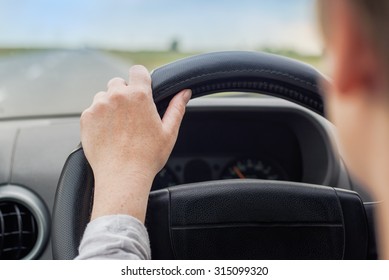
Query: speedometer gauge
x=254 y=169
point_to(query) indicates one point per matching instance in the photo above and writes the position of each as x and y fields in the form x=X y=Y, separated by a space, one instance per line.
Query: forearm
x=121 y=193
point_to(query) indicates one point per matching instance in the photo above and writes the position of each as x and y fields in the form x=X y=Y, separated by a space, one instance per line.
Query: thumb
x=175 y=112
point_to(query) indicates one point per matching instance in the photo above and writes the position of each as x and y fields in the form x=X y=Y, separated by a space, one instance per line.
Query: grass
x=154 y=59
x=150 y=59
x=314 y=60
x=12 y=52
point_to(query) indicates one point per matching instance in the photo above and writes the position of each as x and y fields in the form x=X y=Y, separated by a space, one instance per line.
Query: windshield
x=55 y=55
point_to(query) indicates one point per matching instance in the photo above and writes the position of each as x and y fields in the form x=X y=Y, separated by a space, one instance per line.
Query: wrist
x=121 y=193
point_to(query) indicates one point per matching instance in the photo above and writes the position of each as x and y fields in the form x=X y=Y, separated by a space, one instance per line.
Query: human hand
x=127 y=143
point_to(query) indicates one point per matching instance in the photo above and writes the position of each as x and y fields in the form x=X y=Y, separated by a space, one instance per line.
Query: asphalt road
x=54 y=82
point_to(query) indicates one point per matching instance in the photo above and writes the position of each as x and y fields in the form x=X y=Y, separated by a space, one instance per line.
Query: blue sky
x=153 y=24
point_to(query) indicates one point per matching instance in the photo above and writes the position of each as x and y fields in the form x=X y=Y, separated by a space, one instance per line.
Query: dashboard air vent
x=18 y=231
x=24 y=223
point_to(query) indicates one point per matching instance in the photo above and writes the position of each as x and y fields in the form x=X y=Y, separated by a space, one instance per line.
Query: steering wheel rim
x=204 y=74
x=255 y=72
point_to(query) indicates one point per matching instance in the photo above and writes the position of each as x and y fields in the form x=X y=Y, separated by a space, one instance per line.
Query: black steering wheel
x=232 y=219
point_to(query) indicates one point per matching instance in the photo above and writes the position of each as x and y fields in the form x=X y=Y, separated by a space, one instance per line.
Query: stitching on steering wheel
x=268 y=87
x=247 y=70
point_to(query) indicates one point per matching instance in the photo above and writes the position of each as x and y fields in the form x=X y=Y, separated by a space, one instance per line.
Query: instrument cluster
x=267 y=143
x=189 y=170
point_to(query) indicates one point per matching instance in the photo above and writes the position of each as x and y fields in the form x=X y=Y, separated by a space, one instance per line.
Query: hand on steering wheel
x=238 y=219
x=127 y=143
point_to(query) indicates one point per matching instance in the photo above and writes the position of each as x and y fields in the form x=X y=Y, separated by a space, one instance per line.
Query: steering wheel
x=228 y=219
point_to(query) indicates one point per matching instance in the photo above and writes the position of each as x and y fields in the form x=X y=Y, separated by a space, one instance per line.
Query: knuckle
x=140 y=70
x=115 y=80
x=99 y=108
x=85 y=116
x=140 y=92
x=99 y=95
x=119 y=95
x=118 y=89
x=143 y=89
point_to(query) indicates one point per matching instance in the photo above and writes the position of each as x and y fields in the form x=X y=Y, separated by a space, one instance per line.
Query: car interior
x=256 y=172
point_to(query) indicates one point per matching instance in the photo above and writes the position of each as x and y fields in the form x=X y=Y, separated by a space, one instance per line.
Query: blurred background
x=55 y=55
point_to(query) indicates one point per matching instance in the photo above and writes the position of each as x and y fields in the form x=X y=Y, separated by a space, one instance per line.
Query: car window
x=55 y=55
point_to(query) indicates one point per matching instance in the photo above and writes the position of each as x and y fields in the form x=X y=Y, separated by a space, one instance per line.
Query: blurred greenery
x=154 y=59
x=314 y=60
x=150 y=59
x=14 y=51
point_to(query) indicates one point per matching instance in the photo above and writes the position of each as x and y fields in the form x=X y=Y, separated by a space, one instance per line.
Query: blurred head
x=357 y=49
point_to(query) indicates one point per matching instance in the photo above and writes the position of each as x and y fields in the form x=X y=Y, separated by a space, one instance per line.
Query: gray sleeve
x=116 y=237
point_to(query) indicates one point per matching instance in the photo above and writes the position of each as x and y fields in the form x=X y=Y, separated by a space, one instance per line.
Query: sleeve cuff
x=115 y=237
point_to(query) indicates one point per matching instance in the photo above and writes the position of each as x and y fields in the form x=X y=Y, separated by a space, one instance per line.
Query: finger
x=139 y=76
x=118 y=89
x=116 y=82
x=175 y=112
x=100 y=95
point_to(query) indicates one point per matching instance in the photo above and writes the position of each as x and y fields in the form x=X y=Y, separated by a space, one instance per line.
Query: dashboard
x=220 y=138
x=269 y=143
x=231 y=145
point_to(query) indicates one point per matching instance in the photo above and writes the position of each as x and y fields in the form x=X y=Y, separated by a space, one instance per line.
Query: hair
x=374 y=15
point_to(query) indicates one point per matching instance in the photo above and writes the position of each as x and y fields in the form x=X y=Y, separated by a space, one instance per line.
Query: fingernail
x=187 y=95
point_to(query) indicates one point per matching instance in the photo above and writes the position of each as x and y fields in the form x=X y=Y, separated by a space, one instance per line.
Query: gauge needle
x=238 y=172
